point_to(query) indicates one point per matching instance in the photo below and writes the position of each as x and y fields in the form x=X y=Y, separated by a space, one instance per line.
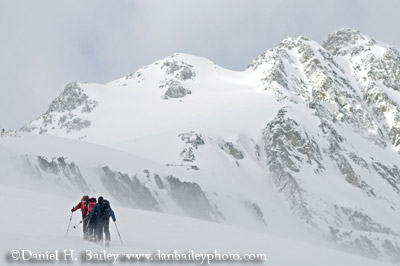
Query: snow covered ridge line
x=25 y=255
x=155 y=188
x=350 y=72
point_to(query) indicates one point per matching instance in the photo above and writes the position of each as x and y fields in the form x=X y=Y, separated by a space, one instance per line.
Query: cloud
x=46 y=44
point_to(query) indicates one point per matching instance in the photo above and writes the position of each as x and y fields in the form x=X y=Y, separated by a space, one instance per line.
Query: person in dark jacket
x=83 y=205
x=102 y=212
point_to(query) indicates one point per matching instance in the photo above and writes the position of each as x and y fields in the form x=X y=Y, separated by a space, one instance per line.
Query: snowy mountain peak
x=347 y=41
x=183 y=62
x=293 y=42
x=65 y=110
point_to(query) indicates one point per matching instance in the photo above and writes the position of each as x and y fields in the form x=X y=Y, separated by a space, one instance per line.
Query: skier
x=83 y=205
x=102 y=211
x=92 y=221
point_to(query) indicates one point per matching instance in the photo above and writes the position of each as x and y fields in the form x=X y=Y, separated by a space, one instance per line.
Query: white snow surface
x=38 y=222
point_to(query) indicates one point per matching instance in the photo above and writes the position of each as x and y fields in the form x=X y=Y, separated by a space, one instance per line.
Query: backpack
x=104 y=211
x=85 y=203
x=92 y=203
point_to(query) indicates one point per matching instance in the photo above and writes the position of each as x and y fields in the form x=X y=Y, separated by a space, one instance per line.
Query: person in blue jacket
x=102 y=212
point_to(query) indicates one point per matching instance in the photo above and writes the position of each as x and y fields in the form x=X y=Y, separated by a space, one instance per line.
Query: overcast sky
x=46 y=44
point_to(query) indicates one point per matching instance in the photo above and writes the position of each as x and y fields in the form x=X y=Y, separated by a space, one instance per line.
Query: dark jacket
x=96 y=212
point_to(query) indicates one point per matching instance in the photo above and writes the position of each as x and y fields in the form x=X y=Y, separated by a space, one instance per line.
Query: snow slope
x=28 y=226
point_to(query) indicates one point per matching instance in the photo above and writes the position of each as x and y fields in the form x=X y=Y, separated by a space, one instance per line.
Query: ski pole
x=81 y=222
x=118 y=232
x=69 y=223
x=87 y=224
x=75 y=226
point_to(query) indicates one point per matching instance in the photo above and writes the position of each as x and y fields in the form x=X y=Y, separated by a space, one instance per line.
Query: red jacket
x=83 y=208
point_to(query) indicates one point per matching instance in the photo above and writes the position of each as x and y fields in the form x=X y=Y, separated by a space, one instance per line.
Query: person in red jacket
x=83 y=205
x=92 y=221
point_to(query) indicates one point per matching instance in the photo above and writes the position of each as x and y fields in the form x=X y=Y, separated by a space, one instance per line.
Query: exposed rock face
x=255 y=211
x=310 y=74
x=56 y=170
x=291 y=152
x=376 y=68
x=64 y=112
x=174 y=89
x=159 y=182
x=288 y=147
x=9 y=134
x=390 y=173
x=192 y=142
x=58 y=166
x=72 y=98
x=347 y=41
x=230 y=149
x=143 y=192
x=293 y=146
x=301 y=71
x=192 y=199
x=177 y=72
x=374 y=245
x=129 y=190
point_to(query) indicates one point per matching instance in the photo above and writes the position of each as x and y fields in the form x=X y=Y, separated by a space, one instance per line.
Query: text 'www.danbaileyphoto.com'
x=24 y=255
